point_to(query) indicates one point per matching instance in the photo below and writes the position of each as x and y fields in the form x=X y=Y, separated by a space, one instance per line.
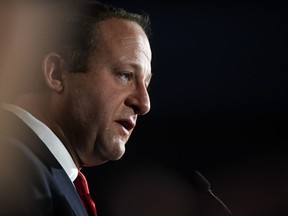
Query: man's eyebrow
x=138 y=68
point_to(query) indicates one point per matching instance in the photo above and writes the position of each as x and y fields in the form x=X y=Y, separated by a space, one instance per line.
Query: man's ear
x=53 y=71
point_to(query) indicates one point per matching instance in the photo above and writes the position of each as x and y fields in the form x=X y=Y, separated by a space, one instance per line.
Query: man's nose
x=139 y=100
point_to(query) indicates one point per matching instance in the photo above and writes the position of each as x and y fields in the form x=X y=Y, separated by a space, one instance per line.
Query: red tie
x=83 y=191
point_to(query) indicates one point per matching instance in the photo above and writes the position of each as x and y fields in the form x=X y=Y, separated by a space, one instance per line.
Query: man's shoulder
x=30 y=175
x=19 y=145
x=30 y=185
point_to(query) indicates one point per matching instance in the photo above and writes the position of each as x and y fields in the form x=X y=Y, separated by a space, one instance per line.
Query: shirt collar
x=48 y=137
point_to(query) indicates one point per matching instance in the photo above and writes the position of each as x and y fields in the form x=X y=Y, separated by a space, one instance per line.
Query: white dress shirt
x=48 y=137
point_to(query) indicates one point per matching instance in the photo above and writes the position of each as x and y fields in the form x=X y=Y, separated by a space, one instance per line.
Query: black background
x=218 y=103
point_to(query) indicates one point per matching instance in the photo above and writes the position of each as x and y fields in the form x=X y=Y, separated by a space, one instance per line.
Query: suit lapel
x=69 y=191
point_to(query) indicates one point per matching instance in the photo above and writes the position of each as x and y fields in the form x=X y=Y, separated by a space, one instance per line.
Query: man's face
x=101 y=106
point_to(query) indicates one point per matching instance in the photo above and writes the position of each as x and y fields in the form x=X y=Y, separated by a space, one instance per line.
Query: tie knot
x=81 y=186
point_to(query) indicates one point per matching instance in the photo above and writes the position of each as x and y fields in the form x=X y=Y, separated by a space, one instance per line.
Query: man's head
x=81 y=28
x=95 y=78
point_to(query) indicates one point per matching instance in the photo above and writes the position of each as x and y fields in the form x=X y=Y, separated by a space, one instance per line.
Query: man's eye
x=125 y=76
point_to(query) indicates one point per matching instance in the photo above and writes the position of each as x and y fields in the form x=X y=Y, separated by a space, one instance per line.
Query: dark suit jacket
x=32 y=182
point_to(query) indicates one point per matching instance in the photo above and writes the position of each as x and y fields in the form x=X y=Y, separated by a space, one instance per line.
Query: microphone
x=204 y=185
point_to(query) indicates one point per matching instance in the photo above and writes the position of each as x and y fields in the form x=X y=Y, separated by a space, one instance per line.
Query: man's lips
x=128 y=124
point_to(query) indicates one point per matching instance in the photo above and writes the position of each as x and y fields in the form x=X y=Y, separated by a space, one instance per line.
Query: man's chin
x=117 y=149
x=118 y=155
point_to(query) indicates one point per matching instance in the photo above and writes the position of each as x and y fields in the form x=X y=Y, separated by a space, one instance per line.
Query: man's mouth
x=128 y=124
